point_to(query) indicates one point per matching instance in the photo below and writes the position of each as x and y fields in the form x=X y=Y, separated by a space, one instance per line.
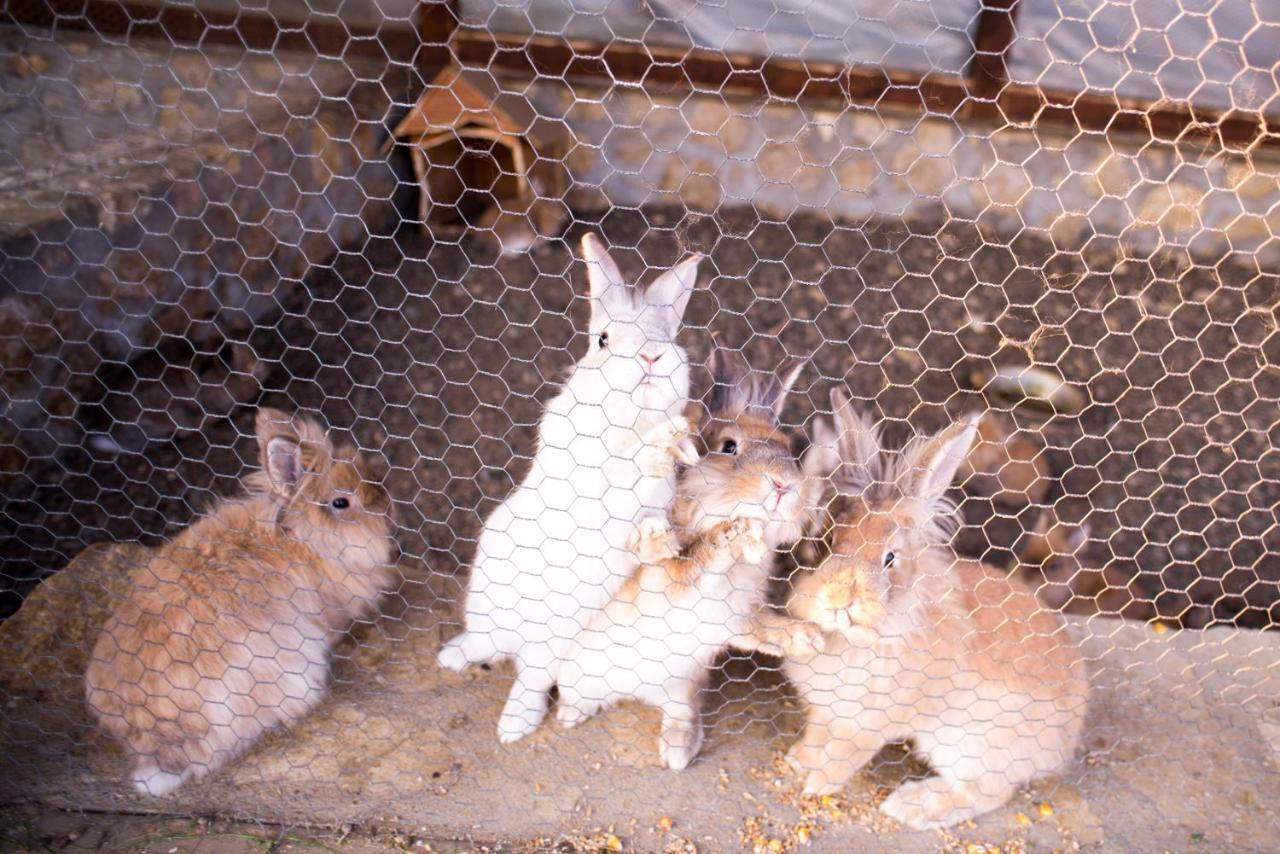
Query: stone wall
x=858 y=163
x=152 y=192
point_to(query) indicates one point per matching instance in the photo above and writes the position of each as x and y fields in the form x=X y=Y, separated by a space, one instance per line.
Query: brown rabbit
x=658 y=638
x=952 y=654
x=227 y=631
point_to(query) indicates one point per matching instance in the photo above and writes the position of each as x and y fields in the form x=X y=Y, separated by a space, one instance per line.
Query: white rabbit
x=957 y=656
x=658 y=638
x=599 y=489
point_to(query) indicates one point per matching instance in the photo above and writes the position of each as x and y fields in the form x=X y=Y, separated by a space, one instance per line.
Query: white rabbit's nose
x=651 y=360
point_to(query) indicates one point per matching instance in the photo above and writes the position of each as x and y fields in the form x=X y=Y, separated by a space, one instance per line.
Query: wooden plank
x=184 y=25
x=669 y=71
x=992 y=41
x=675 y=72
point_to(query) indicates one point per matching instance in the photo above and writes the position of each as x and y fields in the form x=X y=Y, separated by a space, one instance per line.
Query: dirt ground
x=439 y=358
x=1182 y=746
x=113 y=833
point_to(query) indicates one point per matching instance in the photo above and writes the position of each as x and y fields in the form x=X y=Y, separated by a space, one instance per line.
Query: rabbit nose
x=650 y=360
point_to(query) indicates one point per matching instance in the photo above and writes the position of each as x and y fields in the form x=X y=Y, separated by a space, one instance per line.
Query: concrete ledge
x=1183 y=746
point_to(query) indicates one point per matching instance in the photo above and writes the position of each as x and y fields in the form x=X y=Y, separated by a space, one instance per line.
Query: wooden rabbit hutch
x=484 y=157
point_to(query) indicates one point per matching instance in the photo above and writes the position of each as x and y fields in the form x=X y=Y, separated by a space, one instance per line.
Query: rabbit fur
x=954 y=655
x=227 y=631
x=601 y=484
x=658 y=638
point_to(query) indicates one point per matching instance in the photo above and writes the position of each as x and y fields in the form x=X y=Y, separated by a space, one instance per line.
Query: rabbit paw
x=924 y=804
x=802 y=758
x=569 y=715
x=653 y=540
x=516 y=723
x=805 y=638
x=678 y=745
x=664 y=446
x=747 y=540
x=819 y=782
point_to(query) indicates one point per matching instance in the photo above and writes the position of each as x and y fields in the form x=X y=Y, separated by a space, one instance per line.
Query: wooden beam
x=992 y=40
x=325 y=36
x=675 y=72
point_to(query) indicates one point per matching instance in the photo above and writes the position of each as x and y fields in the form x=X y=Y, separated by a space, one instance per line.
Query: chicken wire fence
x=649 y=425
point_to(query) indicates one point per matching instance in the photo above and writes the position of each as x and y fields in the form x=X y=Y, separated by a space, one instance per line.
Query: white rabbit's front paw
x=664 y=446
x=653 y=540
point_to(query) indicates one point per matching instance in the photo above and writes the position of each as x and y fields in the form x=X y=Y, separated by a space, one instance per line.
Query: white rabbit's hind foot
x=937 y=802
x=526 y=705
x=653 y=540
x=465 y=649
x=149 y=779
x=678 y=745
x=571 y=713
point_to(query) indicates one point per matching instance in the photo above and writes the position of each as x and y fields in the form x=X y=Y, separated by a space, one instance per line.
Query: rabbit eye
x=339 y=504
x=889 y=559
x=729 y=447
x=603 y=340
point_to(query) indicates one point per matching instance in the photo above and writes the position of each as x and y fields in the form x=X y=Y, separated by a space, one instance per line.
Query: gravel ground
x=439 y=357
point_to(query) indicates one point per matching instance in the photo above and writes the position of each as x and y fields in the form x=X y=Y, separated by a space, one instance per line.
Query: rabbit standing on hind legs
x=226 y=632
x=599 y=489
x=954 y=655
x=658 y=638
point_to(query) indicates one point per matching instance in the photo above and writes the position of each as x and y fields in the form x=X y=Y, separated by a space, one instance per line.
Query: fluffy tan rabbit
x=657 y=639
x=958 y=657
x=227 y=631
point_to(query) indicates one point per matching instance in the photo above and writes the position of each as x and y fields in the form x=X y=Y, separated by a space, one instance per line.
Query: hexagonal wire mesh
x=1042 y=235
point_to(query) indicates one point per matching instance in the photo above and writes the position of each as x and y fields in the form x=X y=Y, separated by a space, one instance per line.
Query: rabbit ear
x=279 y=449
x=603 y=275
x=283 y=464
x=290 y=446
x=671 y=291
x=780 y=385
x=930 y=465
x=726 y=377
x=858 y=442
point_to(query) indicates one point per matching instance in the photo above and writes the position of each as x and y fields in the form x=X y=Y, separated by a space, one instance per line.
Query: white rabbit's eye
x=603 y=340
x=729 y=447
x=889 y=558
x=339 y=504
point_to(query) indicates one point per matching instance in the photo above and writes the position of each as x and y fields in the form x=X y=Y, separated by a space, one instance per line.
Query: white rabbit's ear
x=930 y=465
x=857 y=441
x=603 y=275
x=671 y=290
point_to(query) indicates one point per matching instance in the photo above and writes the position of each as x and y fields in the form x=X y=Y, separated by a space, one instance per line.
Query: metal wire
x=1060 y=220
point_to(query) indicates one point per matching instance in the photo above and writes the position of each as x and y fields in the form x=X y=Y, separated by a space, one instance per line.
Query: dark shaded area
x=437 y=357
